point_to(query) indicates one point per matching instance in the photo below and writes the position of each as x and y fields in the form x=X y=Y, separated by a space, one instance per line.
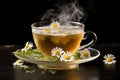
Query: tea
x=68 y=39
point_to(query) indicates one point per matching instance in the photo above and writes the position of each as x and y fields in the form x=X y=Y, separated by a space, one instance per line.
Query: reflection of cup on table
x=47 y=36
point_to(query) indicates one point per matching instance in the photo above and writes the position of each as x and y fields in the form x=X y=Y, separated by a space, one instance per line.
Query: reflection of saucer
x=60 y=65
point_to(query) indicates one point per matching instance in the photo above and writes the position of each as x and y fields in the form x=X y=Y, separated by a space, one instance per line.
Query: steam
x=65 y=13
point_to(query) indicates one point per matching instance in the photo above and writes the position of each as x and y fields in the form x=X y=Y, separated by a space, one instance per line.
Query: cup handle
x=91 y=43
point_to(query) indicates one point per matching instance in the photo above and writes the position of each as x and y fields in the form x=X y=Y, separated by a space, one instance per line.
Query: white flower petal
x=114 y=61
x=105 y=56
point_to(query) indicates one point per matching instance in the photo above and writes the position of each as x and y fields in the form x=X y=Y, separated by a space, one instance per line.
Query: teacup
x=48 y=36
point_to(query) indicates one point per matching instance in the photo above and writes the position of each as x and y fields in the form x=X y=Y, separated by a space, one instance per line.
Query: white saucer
x=61 y=65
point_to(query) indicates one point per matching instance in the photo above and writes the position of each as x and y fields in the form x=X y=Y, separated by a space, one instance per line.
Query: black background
x=17 y=16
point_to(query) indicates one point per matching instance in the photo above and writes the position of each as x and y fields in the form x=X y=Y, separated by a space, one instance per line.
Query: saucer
x=61 y=65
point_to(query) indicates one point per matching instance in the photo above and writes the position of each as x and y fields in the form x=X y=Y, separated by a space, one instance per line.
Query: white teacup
x=68 y=38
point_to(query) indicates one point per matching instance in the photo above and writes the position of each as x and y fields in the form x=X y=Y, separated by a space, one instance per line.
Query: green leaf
x=77 y=55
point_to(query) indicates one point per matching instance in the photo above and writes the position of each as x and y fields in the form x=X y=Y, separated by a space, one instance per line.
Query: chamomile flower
x=109 y=59
x=57 y=51
x=84 y=54
x=67 y=57
x=28 y=46
x=54 y=25
x=18 y=63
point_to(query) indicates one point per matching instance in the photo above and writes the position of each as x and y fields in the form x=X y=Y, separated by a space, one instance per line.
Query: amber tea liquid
x=68 y=40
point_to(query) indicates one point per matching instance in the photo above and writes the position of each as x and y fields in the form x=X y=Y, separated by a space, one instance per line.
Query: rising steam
x=65 y=13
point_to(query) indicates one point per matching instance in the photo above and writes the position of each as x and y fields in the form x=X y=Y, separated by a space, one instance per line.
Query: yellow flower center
x=54 y=25
x=57 y=52
x=67 y=57
x=85 y=53
x=26 y=46
x=109 y=59
x=18 y=61
x=47 y=31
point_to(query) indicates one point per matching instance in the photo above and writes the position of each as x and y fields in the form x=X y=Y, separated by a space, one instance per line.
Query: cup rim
x=80 y=25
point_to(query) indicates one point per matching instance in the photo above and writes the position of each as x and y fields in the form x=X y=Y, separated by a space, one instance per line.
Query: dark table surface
x=93 y=70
